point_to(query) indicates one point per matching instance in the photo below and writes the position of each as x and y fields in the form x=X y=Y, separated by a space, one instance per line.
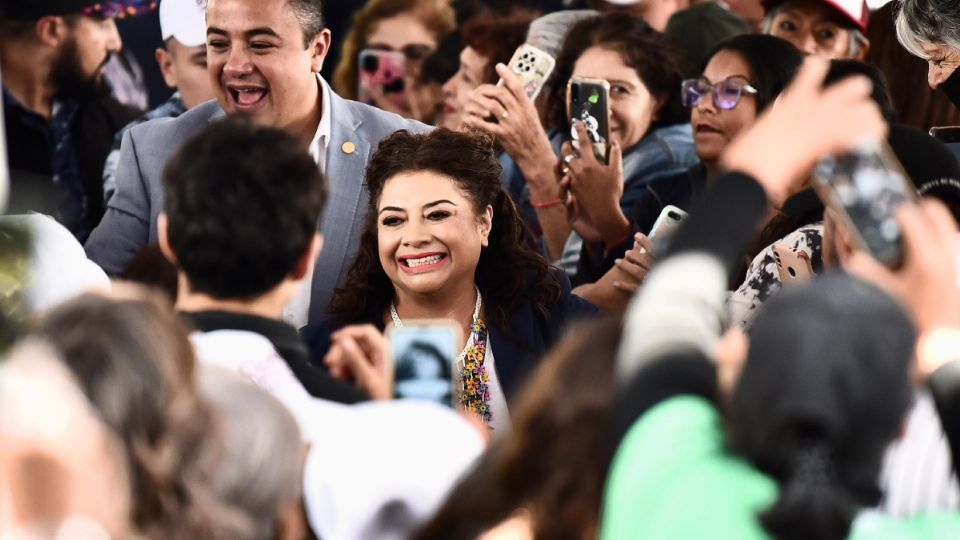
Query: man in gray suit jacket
x=264 y=57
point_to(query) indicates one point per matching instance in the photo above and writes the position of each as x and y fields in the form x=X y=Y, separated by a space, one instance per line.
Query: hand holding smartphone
x=424 y=359
x=865 y=188
x=533 y=67
x=588 y=102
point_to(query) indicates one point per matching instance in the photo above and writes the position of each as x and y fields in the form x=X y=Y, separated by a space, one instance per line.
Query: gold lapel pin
x=348 y=148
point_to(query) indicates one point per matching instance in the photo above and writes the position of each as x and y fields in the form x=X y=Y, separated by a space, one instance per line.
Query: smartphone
x=384 y=70
x=424 y=360
x=865 y=188
x=793 y=266
x=949 y=136
x=667 y=223
x=533 y=67
x=588 y=100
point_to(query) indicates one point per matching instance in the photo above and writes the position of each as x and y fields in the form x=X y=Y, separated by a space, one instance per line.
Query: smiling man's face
x=259 y=63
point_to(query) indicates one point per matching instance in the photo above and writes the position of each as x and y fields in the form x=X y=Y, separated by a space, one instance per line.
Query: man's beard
x=68 y=77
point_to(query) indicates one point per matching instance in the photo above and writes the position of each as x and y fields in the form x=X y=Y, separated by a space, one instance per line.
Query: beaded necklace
x=474 y=392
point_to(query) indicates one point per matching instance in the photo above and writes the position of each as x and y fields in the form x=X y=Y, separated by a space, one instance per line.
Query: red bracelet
x=546 y=204
x=622 y=239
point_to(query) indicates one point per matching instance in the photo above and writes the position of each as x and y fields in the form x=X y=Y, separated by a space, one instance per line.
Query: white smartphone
x=667 y=223
x=424 y=360
x=792 y=265
x=533 y=67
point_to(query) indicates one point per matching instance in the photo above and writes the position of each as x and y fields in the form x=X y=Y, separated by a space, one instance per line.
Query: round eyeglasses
x=726 y=93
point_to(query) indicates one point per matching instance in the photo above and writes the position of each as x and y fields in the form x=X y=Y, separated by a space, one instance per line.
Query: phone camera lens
x=370 y=64
x=791 y=271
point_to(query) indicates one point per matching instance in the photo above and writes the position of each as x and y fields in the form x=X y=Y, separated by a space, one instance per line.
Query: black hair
x=404 y=362
x=509 y=273
x=843 y=68
x=773 y=63
x=243 y=202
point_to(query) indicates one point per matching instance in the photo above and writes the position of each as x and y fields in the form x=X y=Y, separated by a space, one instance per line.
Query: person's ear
x=167 y=69
x=305 y=263
x=486 y=225
x=864 y=49
x=162 y=224
x=52 y=30
x=320 y=46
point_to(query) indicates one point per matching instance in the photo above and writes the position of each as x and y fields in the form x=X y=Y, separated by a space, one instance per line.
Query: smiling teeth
x=433 y=259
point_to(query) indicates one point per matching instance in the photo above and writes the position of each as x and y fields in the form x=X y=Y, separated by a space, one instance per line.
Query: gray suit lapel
x=343 y=218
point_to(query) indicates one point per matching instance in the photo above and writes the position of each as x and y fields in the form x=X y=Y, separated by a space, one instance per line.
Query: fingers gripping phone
x=588 y=101
x=793 y=266
x=666 y=225
x=533 y=67
x=865 y=188
x=424 y=360
x=384 y=70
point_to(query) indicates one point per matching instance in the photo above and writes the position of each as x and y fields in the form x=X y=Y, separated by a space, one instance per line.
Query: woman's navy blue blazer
x=516 y=351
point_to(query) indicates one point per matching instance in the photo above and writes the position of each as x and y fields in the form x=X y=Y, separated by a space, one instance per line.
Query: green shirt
x=673 y=478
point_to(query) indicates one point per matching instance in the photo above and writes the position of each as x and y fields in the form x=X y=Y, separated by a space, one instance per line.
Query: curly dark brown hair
x=508 y=274
x=648 y=52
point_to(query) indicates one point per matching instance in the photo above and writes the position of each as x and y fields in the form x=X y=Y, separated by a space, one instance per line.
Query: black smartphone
x=865 y=188
x=950 y=136
x=424 y=360
x=588 y=101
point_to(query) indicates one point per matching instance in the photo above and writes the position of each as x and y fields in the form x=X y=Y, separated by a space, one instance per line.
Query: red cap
x=855 y=11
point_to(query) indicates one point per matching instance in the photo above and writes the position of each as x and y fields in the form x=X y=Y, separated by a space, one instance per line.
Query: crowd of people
x=660 y=269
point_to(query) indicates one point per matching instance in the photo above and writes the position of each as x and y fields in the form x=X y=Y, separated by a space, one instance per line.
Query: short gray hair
x=857 y=40
x=935 y=22
x=257 y=467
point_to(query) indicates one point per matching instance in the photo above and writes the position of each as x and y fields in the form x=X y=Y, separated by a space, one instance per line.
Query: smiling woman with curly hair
x=444 y=240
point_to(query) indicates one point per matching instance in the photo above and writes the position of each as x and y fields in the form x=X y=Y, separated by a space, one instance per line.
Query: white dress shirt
x=296 y=311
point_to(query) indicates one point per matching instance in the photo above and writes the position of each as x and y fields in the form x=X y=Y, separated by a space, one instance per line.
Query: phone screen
x=589 y=103
x=865 y=188
x=424 y=356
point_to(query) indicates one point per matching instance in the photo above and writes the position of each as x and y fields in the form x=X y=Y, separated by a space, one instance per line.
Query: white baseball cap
x=185 y=20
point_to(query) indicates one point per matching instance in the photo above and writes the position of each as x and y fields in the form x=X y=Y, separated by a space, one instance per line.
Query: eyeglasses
x=726 y=93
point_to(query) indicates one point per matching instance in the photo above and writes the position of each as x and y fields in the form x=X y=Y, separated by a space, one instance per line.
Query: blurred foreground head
x=824 y=390
x=132 y=359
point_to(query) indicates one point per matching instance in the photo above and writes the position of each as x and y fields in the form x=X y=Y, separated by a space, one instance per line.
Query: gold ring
x=565 y=169
x=504 y=115
x=569 y=158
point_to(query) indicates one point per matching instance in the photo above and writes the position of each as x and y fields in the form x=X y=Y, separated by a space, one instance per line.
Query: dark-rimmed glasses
x=726 y=93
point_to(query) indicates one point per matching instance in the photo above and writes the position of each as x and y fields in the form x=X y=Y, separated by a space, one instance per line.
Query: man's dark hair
x=243 y=202
x=309 y=14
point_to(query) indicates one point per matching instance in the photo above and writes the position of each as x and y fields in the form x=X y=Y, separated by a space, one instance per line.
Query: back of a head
x=821 y=396
x=135 y=364
x=773 y=62
x=242 y=202
x=842 y=69
x=258 y=469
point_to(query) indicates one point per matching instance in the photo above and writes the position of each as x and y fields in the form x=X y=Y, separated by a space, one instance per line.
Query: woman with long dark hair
x=444 y=240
